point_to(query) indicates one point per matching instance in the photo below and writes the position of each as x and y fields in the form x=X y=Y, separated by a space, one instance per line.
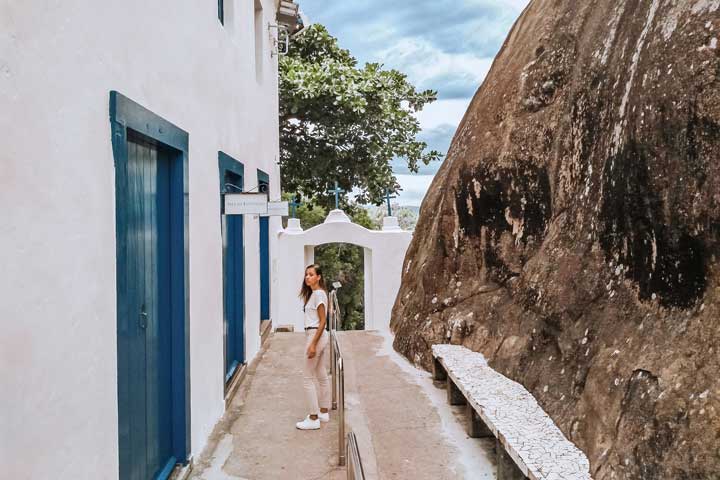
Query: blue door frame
x=151 y=165
x=231 y=181
x=264 y=181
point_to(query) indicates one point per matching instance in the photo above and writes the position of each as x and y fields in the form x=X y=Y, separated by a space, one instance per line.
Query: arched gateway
x=384 y=254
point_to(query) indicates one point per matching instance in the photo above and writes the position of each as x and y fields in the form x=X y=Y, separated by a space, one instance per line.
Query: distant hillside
x=407 y=215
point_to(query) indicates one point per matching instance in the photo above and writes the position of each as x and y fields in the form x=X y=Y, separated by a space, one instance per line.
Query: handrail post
x=333 y=353
x=341 y=411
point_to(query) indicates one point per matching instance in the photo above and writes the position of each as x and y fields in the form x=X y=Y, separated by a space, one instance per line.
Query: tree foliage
x=342 y=122
x=344 y=262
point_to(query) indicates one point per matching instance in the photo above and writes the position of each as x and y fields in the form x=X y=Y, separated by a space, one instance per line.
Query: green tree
x=362 y=217
x=308 y=213
x=342 y=122
x=344 y=263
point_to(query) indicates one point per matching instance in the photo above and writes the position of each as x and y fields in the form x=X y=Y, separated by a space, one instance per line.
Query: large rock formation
x=573 y=233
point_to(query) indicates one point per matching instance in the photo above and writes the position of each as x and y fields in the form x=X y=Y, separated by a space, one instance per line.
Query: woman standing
x=315 y=377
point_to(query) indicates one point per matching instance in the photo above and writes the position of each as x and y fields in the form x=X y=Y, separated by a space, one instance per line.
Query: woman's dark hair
x=305 y=290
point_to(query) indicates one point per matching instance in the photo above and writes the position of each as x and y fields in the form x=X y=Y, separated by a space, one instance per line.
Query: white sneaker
x=324 y=417
x=308 y=424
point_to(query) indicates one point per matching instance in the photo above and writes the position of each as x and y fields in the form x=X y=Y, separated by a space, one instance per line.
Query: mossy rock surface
x=572 y=234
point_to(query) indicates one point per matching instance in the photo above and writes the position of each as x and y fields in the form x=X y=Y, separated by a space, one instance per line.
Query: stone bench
x=528 y=443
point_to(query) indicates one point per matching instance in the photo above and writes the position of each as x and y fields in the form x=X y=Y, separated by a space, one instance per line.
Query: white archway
x=384 y=254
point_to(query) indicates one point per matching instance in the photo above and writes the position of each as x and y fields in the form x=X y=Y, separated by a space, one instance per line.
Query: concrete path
x=405 y=428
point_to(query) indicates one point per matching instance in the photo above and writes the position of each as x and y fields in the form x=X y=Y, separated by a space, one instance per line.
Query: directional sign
x=246 y=203
x=277 y=209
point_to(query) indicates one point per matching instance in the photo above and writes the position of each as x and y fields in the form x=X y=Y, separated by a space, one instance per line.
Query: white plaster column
x=291 y=268
x=369 y=296
x=391 y=224
x=251 y=247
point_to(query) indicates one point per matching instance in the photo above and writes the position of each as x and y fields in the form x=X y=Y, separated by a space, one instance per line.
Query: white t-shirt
x=318 y=297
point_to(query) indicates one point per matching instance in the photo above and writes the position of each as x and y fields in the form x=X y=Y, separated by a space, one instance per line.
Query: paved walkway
x=405 y=428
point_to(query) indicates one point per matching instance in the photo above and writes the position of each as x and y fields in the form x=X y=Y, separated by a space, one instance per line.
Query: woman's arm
x=318 y=333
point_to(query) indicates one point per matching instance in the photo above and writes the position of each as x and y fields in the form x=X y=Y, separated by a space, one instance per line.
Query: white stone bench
x=529 y=444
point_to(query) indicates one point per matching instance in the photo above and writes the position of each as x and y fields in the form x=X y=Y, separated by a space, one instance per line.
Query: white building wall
x=58 y=63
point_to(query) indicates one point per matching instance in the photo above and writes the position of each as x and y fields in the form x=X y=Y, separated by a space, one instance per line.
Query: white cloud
x=414 y=188
x=443 y=112
x=515 y=5
x=454 y=75
x=413 y=191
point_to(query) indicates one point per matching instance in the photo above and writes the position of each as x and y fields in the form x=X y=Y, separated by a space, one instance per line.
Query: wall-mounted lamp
x=282 y=41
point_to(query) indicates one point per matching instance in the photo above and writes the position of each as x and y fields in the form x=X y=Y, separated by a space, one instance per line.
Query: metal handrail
x=333 y=315
x=355 y=469
x=341 y=409
x=346 y=449
x=338 y=376
x=334 y=312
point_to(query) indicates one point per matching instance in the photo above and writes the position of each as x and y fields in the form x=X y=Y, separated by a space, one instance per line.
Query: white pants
x=315 y=377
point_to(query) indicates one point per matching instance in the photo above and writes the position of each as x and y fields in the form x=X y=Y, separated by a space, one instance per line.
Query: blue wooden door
x=264 y=268
x=233 y=284
x=145 y=334
x=264 y=184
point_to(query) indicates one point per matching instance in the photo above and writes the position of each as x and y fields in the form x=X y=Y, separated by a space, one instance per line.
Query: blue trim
x=231 y=371
x=233 y=269
x=227 y=163
x=264 y=179
x=127 y=115
x=165 y=472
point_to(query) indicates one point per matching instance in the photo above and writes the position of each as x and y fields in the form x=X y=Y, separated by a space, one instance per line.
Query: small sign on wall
x=277 y=209
x=246 y=203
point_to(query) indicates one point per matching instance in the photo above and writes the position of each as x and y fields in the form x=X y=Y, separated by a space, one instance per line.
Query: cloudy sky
x=444 y=45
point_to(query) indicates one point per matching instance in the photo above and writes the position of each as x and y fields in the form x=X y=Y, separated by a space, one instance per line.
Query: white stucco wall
x=58 y=62
x=384 y=255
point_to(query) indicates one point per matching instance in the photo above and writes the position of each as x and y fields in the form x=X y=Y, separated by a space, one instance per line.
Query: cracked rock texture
x=572 y=235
